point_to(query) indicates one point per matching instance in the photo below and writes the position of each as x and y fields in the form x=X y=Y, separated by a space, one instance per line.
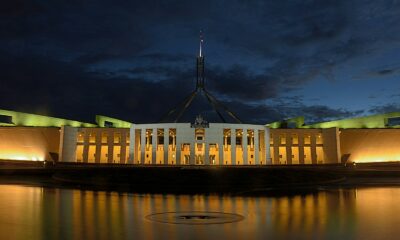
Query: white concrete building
x=190 y=144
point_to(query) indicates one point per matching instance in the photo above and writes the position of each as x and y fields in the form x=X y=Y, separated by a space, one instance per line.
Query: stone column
x=122 y=155
x=221 y=147
x=257 y=147
x=277 y=143
x=206 y=153
x=178 y=147
x=301 y=148
x=192 y=152
x=233 y=146
x=68 y=144
x=166 y=145
x=142 y=145
x=98 y=147
x=132 y=144
x=244 y=147
x=267 y=146
x=154 y=146
x=288 y=149
x=110 y=143
x=85 y=146
x=313 y=149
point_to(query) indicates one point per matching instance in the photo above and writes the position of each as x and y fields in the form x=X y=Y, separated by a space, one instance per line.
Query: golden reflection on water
x=48 y=213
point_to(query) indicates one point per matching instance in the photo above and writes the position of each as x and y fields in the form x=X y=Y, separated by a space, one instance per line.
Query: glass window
x=80 y=137
x=199 y=134
x=320 y=154
x=92 y=137
x=104 y=137
x=149 y=136
x=319 y=138
x=307 y=139
x=239 y=135
x=282 y=139
x=79 y=153
x=295 y=139
x=117 y=137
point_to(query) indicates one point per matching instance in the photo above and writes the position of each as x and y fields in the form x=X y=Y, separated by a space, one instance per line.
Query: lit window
x=282 y=139
x=104 y=137
x=319 y=138
x=117 y=137
x=92 y=137
x=307 y=139
x=295 y=139
x=80 y=137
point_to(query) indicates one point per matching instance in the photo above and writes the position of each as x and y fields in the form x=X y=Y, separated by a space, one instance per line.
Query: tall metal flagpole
x=200 y=87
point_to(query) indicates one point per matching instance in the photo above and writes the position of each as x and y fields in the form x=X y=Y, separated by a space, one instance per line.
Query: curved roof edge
x=13 y=118
x=104 y=121
x=386 y=120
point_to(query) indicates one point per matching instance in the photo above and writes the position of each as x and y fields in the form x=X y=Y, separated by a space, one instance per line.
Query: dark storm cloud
x=291 y=107
x=379 y=72
x=238 y=82
x=123 y=58
x=385 y=71
x=78 y=94
x=75 y=28
x=324 y=113
x=386 y=108
x=297 y=34
x=82 y=95
x=267 y=113
x=162 y=57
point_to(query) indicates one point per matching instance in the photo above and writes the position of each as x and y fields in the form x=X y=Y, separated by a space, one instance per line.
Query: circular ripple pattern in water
x=195 y=218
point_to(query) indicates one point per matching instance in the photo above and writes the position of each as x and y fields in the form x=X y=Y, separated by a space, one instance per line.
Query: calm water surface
x=46 y=213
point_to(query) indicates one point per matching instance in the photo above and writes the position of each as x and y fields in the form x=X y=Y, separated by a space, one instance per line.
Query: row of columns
x=289 y=144
x=110 y=143
x=189 y=137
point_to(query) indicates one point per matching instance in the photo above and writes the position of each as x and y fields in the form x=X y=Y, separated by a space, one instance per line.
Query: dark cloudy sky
x=266 y=60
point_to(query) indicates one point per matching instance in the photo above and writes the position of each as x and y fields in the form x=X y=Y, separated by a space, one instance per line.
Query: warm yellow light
x=377 y=158
x=22 y=157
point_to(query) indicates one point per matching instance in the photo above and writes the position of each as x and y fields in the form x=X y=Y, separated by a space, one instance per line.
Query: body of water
x=28 y=212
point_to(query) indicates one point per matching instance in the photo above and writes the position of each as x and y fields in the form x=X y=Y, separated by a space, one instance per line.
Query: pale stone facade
x=214 y=144
x=182 y=144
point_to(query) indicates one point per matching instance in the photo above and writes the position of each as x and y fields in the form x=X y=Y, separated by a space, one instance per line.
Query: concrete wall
x=29 y=143
x=370 y=145
x=68 y=144
x=331 y=145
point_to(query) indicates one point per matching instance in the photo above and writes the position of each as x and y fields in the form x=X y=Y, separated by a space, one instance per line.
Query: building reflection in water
x=46 y=213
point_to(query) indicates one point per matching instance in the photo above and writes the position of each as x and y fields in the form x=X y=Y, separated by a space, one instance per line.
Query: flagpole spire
x=218 y=107
x=201 y=43
x=200 y=65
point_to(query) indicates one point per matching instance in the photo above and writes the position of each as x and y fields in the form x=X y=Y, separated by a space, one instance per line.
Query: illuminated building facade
x=168 y=144
x=33 y=137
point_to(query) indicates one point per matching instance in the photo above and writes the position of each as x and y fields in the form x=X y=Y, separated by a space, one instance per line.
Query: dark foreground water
x=46 y=213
